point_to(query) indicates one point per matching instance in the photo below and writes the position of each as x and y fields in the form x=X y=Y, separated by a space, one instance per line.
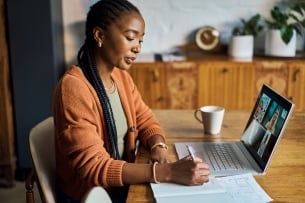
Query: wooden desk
x=285 y=178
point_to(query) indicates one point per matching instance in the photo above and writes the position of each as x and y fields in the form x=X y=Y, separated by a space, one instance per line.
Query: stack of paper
x=230 y=189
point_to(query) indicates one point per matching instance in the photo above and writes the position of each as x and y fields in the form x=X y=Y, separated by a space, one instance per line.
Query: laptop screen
x=266 y=124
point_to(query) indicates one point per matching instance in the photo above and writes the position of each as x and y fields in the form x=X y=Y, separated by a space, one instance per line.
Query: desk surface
x=284 y=180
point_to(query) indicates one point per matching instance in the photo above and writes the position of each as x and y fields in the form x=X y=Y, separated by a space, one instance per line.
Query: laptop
x=253 y=152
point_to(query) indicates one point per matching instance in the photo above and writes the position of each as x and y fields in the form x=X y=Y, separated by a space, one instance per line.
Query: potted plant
x=241 y=44
x=285 y=23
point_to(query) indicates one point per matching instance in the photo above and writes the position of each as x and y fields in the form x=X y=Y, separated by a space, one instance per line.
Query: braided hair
x=102 y=14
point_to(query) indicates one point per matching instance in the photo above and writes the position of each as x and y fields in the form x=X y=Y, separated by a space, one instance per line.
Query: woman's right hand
x=184 y=171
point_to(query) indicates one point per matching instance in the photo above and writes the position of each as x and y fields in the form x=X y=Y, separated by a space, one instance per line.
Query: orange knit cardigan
x=82 y=148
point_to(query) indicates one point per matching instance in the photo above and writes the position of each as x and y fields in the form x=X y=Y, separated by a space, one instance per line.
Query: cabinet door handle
x=155 y=75
x=295 y=75
x=225 y=70
x=160 y=99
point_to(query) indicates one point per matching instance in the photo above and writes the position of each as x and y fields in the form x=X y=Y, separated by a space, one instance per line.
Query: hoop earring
x=100 y=44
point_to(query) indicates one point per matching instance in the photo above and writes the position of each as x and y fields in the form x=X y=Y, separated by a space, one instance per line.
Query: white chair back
x=95 y=195
x=42 y=149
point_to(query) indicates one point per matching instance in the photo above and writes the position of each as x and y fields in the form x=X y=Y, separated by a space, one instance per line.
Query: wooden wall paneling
x=7 y=149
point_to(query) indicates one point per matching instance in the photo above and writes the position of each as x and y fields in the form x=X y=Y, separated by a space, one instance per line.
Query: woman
x=99 y=114
x=270 y=125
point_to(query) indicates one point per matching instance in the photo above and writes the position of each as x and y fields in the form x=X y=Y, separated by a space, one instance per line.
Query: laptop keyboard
x=222 y=156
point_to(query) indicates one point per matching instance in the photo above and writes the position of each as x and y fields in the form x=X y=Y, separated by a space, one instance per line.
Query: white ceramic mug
x=211 y=118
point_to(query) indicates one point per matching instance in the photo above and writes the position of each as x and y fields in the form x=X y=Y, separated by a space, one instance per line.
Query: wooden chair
x=42 y=150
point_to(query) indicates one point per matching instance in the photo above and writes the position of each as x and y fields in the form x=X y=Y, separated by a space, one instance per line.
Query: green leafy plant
x=287 y=20
x=251 y=27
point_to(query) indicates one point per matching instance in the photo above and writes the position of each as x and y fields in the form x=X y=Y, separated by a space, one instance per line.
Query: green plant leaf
x=251 y=27
x=287 y=20
x=286 y=33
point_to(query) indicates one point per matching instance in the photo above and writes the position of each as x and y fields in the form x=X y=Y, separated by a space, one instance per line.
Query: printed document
x=229 y=189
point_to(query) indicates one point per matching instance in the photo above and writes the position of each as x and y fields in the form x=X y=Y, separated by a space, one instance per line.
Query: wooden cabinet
x=181 y=85
x=296 y=83
x=227 y=84
x=234 y=85
x=167 y=85
x=150 y=81
x=272 y=73
x=285 y=76
x=190 y=84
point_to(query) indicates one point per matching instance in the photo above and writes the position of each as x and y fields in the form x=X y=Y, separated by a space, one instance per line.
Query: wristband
x=159 y=144
x=154 y=172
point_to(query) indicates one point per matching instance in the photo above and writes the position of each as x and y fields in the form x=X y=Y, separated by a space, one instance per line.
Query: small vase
x=241 y=47
x=275 y=46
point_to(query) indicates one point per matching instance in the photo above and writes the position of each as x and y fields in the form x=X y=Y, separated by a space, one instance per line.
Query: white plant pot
x=241 y=47
x=275 y=46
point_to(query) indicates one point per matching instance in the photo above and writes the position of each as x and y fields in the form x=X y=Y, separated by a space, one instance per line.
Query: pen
x=191 y=151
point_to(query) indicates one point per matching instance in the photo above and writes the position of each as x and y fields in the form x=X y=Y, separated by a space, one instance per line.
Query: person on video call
x=270 y=125
x=99 y=114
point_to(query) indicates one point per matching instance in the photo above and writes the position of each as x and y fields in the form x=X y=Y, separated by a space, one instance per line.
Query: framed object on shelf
x=207 y=38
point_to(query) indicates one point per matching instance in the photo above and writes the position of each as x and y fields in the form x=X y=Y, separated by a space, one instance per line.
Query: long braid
x=102 y=14
x=92 y=75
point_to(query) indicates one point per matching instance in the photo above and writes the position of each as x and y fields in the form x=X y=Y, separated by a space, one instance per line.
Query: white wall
x=169 y=23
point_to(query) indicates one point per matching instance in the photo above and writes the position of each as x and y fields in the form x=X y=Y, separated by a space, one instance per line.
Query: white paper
x=234 y=189
x=172 y=189
x=244 y=188
x=206 y=198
